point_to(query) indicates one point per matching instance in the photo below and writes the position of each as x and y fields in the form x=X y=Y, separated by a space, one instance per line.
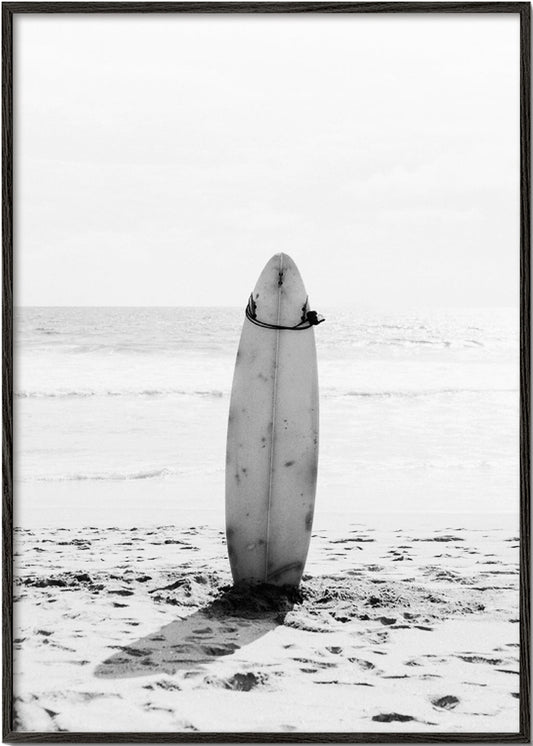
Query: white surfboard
x=272 y=446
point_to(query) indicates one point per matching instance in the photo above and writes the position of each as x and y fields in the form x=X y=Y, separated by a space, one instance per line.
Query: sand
x=392 y=629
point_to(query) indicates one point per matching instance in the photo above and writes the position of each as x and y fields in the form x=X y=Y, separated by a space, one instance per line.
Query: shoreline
x=169 y=513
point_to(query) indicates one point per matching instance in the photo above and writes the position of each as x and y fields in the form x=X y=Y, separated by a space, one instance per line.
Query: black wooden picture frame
x=12 y=9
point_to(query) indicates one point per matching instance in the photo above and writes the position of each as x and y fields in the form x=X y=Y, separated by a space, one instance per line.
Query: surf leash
x=309 y=318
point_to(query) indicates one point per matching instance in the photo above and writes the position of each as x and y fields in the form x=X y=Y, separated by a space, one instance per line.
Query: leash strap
x=309 y=318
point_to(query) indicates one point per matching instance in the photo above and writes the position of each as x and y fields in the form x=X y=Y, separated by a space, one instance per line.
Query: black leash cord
x=309 y=319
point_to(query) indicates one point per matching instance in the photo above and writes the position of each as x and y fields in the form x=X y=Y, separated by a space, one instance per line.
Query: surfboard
x=272 y=442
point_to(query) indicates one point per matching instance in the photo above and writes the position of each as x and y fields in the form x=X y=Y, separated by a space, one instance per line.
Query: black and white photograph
x=266 y=373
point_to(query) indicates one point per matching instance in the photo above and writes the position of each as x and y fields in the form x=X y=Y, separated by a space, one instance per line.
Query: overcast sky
x=161 y=160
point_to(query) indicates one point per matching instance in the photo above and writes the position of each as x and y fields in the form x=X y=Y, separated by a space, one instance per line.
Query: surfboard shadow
x=236 y=618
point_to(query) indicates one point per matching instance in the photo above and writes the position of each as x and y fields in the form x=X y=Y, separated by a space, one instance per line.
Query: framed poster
x=156 y=156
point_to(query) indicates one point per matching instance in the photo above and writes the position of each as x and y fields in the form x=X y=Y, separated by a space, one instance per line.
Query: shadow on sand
x=236 y=618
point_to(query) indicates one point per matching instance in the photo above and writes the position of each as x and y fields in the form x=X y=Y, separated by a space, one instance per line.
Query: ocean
x=121 y=413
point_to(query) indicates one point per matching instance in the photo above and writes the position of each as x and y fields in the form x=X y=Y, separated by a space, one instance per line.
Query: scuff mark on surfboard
x=276 y=574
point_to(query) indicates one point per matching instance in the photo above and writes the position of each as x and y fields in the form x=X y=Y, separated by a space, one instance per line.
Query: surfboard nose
x=280 y=265
x=279 y=295
x=280 y=274
x=286 y=260
x=279 y=260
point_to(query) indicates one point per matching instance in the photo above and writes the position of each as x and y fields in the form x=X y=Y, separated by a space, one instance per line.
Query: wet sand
x=394 y=629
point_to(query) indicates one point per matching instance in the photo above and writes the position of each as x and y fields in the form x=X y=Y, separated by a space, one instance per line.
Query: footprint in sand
x=166 y=684
x=364 y=665
x=390 y=717
x=121 y=592
x=448 y=702
x=480 y=659
x=316 y=664
x=240 y=682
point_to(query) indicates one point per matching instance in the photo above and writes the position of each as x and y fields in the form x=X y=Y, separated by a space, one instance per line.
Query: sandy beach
x=393 y=629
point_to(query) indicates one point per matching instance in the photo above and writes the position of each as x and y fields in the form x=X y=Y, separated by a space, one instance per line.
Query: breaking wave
x=416 y=394
x=84 y=394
